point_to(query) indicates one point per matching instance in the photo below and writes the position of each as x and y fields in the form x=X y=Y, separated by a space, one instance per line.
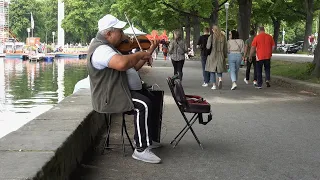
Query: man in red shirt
x=263 y=44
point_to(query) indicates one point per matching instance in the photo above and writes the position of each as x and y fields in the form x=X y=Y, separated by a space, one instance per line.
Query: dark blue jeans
x=266 y=64
x=206 y=74
x=253 y=62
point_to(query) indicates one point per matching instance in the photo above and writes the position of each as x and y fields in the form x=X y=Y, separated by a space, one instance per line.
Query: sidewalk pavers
x=272 y=133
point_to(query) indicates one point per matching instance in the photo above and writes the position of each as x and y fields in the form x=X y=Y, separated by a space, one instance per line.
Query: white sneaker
x=146 y=156
x=214 y=87
x=246 y=81
x=234 y=86
x=205 y=85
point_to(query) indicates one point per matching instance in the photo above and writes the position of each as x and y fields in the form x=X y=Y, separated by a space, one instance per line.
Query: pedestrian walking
x=202 y=43
x=249 y=61
x=312 y=44
x=177 y=49
x=235 y=56
x=216 y=61
x=263 y=44
x=155 y=54
x=164 y=49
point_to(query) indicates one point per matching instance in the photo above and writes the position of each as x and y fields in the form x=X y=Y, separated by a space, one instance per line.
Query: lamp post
x=28 y=30
x=283 y=33
x=53 y=33
x=226 y=5
x=28 y=41
x=32 y=24
x=316 y=33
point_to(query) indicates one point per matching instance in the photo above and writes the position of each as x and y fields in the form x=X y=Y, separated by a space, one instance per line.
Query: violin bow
x=125 y=14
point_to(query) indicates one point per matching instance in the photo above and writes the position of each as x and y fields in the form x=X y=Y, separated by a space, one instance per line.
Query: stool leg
x=109 y=130
x=125 y=130
x=106 y=142
x=122 y=137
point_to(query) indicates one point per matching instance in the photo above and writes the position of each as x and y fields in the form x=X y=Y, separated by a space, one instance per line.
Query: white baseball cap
x=109 y=21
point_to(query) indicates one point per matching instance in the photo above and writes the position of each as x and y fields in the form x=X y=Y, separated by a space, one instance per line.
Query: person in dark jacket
x=247 y=48
x=202 y=43
x=164 y=49
x=111 y=90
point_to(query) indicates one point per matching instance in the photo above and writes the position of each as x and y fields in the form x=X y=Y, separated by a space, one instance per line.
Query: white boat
x=37 y=57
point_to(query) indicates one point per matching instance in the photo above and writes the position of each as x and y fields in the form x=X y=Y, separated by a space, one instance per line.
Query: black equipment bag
x=156 y=117
x=156 y=97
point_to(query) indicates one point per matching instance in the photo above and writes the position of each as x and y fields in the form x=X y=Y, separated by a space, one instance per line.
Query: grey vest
x=109 y=87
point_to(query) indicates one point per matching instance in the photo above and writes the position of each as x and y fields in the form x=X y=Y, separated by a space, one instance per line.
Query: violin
x=136 y=42
x=129 y=44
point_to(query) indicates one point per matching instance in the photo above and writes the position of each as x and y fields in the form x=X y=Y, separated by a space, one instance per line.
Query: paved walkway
x=272 y=133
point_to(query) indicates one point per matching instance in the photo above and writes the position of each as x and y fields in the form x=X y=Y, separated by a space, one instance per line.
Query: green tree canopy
x=44 y=15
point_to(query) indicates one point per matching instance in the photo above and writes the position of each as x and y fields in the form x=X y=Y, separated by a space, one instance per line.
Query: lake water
x=27 y=89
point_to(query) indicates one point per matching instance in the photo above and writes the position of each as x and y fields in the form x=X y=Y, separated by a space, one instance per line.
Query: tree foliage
x=80 y=23
x=19 y=13
x=81 y=16
x=44 y=15
x=47 y=19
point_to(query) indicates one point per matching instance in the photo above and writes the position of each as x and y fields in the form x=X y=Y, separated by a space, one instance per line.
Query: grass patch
x=294 y=70
x=277 y=51
x=301 y=52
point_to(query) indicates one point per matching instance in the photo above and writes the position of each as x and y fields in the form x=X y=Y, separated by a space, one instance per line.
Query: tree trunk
x=276 y=30
x=316 y=59
x=309 y=19
x=245 y=7
x=182 y=31
x=196 y=32
x=214 y=14
x=188 y=30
